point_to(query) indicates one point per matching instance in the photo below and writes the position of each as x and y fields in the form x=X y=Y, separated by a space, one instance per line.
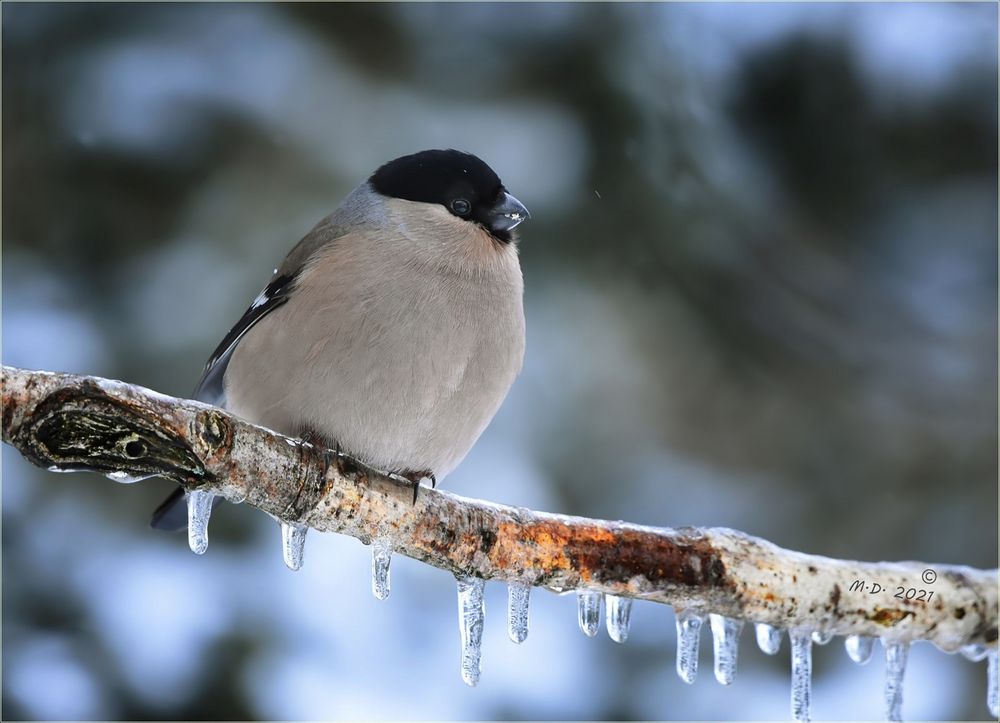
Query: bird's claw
x=414 y=479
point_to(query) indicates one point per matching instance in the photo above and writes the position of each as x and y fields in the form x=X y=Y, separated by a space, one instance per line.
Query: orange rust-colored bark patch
x=538 y=545
x=889 y=617
x=608 y=555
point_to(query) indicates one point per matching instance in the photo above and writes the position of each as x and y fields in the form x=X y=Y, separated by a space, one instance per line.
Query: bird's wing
x=275 y=294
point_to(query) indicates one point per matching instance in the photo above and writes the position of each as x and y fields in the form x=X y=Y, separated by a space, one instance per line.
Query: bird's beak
x=507 y=214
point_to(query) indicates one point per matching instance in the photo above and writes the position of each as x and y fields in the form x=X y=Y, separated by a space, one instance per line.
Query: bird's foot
x=414 y=479
x=329 y=450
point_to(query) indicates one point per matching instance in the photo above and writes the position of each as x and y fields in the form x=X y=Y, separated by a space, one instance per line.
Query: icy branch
x=66 y=422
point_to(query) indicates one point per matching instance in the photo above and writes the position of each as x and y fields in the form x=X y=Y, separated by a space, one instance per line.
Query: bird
x=392 y=331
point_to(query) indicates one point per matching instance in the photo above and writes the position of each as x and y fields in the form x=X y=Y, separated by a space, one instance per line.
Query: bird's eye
x=461 y=207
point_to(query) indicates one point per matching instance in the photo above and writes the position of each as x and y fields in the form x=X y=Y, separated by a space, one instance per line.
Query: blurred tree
x=776 y=269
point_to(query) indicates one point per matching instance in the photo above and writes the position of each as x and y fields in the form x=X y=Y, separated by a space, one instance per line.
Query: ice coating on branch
x=725 y=644
x=588 y=612
x=821 y=637
x=199 y=506
x=518 y=595
x=974 y=652
x=768 y=638
x=471 y=615
x=895 y=667
x=381 y=557
x=859 y=648
x=801 y=673
x=125 y=478
x=293 y=541
x=688 y=637
x=991 y=684
x=618 y=611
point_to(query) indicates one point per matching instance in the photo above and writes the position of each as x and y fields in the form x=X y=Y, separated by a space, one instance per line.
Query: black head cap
x=461 y=182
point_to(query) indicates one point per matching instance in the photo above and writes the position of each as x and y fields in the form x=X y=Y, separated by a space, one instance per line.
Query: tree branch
x=68 y=422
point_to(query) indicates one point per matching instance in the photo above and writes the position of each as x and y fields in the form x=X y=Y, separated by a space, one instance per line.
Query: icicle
x=517 y=611
x=821 y=637
x=801 y=674
x=618 y=611
x=293 y=540
x=895 y=667
x=975 y=653
x=381 y=557
x=768 y=638
x=859 y=648
x=199 y=511
x=471 y=614
x=991 y=684
x=725 y=642
x=588 y=612
x=688 y=637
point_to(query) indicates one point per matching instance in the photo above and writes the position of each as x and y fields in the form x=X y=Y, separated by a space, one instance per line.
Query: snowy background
x=761 y=282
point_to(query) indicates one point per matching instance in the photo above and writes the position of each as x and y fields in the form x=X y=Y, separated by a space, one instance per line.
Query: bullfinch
x=392 y=331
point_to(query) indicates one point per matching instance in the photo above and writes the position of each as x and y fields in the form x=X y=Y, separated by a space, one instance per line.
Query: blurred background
x=761 y=285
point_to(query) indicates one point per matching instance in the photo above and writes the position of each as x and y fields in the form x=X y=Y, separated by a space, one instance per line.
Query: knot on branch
x=86 y=429
x=214 y=431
